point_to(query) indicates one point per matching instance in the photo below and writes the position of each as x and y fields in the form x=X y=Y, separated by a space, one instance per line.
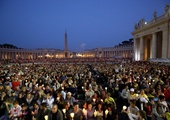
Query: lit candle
x=94 y=99
x=58 y=98
x=124 y=107
x=84 y=111
x=64 y=111
x=106 y=111
x=101 y=100
x=46 y=117
x=105 y=88
x=137 y=95
x=95 y=113
x=72 y=115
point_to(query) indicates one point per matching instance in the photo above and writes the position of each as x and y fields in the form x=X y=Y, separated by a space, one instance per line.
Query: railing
x=160 y=17
x=143 y=23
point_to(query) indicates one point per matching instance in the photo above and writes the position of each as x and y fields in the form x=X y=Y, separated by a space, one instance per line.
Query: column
x=164 y=44
x=169 y=43
x=12 y=53
x=135 y=49
x=153 y=46
x=141 y=48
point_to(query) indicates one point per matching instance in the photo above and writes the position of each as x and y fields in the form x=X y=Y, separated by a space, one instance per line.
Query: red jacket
x=15 y=84
x=167 y=95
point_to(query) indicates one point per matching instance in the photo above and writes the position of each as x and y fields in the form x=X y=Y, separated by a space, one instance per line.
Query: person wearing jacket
x=55 y=113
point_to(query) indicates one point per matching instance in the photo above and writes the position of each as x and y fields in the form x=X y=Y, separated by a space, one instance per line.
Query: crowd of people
x=95 y=91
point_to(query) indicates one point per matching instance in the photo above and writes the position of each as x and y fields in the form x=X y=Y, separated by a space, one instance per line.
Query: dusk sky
x=89 y=23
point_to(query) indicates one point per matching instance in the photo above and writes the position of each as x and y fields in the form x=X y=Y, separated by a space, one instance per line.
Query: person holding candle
x=78 y=114
x=109 y=100
x=25 y=112
x=143 y=97
x=99 y=112
x=111 y=113
x=90 y=112
x=35 y=110
x=49 y=100
x=89 y=93
x=124 y=94
x=132 y=95
x=43 y=111
x=142 y=115
x=66 y=110
x=55 y=113
x=133 y=110
x=70 y=98
x=15 y=111
x=95 y=98
x=59 y=100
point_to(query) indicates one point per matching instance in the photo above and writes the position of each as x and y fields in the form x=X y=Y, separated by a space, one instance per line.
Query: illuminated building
x=123 y=50
x=152 y=39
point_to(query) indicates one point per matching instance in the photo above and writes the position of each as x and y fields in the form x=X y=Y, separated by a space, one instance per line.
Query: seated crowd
x=100 y=91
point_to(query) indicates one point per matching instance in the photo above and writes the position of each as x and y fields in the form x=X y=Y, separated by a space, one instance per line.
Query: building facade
x=15 y=53
x=123 y=50
x=152 y=39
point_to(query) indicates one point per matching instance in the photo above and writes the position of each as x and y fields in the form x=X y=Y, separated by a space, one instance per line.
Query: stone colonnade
x=5 y=54
x=152 y=46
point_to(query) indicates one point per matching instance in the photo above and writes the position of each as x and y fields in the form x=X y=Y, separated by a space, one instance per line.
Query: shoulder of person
x=59 y=111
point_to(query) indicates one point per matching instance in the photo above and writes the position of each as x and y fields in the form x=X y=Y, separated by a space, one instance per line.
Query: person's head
x=49 y=94
x=35 y=105
x=90 y=87
x=84 y=104
x=21 y=95
x=132 y=91
x=24 y=106
x=16 y=104
x=132 y=103
x=108 y=95
x=168 y=88
x=89 y=106
x=75 y=106
x=59 y=94
x=43 y=105
x=126 y=87
x=29 y=96
x=159 y=90
x=24 y=89
x=1 y=87
x=95 y=94
x=142 y=114
x=111 y=107
x=103 y=92
x=69 y=95
x=66 y=104
x=142 y=92
x=7 y=87
x=161 y=97
x=100 y=105
x=54 y=108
